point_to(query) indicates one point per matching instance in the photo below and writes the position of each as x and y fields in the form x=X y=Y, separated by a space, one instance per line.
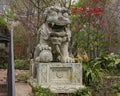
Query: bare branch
x=70 y=2
x=34 y=4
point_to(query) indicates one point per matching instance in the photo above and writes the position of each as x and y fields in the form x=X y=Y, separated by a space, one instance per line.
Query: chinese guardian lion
x=54 y=36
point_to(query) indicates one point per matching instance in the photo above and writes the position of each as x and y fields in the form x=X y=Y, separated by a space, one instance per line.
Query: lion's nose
x=60 y=18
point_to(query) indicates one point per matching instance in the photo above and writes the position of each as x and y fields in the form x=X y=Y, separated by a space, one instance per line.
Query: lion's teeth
x=52 y=24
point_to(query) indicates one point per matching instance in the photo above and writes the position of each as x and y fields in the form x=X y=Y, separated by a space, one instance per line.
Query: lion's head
x=57 y=18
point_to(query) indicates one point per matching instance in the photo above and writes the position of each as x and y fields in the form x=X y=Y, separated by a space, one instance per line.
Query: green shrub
x=23 y=77
x=22 y=64
x=4 y=30
x=19 y=64
x=110 y=62
x=92 y=73
x=39 y=91
x=3 y=59
x=95 y=70
x=83 y=92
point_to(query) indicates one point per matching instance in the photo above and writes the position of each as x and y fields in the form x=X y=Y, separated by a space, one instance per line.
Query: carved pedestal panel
x=59 y=77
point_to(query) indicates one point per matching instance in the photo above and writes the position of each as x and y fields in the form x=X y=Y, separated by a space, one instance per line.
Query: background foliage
x=95 y=34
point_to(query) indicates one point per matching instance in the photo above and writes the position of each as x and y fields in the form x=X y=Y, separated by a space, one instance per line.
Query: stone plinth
x=59 y=77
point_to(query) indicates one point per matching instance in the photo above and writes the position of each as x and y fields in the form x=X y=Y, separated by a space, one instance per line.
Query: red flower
x=82 y=9
x=81 y=27
x=96 y=14
x=77 y=10
x=94 y=24
x=96 y=10
x=99 y=9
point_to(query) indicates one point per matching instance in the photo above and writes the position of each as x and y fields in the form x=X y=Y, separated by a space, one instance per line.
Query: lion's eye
x=66 y=14
x=53 y=13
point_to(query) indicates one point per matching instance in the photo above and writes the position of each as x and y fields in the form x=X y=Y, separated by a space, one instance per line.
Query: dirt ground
x=22 y=89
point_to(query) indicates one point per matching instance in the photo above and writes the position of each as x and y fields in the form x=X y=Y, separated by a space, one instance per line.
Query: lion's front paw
x=68 y=60
x=37 y=59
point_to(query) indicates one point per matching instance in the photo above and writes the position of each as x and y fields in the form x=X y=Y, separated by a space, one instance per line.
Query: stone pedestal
x=59 y=77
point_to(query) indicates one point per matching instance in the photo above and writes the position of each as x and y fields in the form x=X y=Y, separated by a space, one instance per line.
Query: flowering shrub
x=89 y=30
x=76 y=10
x=93 y=11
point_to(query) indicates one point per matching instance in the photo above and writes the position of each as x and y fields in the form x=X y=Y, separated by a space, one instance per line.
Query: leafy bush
x=88 y=27
x=83 y=92
x=109 y=62
x=39 y=91
x=23 y=77
x=92 y=73
x=19 y=64
x=22 y=64
x=94 y=70
x=3 y=59
x=4 y=30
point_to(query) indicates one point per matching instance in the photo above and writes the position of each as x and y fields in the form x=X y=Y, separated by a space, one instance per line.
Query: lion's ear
x=45 y=14
x=44 y=17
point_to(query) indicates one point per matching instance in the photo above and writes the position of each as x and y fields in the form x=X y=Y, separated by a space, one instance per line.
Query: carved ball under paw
x=45 y=56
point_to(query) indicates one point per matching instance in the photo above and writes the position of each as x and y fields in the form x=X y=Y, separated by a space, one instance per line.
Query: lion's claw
x=44 y=47
x=68 y=60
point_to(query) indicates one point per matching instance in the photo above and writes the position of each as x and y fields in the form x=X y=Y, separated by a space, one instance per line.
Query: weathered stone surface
x=59 y=77
x=54 y=36
x=64 y=76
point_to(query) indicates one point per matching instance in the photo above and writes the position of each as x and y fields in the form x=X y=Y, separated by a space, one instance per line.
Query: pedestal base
x=59 y=77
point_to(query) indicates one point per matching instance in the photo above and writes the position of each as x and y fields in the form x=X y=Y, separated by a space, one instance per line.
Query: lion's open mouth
x=56 y=28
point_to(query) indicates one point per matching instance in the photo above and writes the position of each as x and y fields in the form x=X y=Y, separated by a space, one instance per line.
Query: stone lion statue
x=54 y=36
